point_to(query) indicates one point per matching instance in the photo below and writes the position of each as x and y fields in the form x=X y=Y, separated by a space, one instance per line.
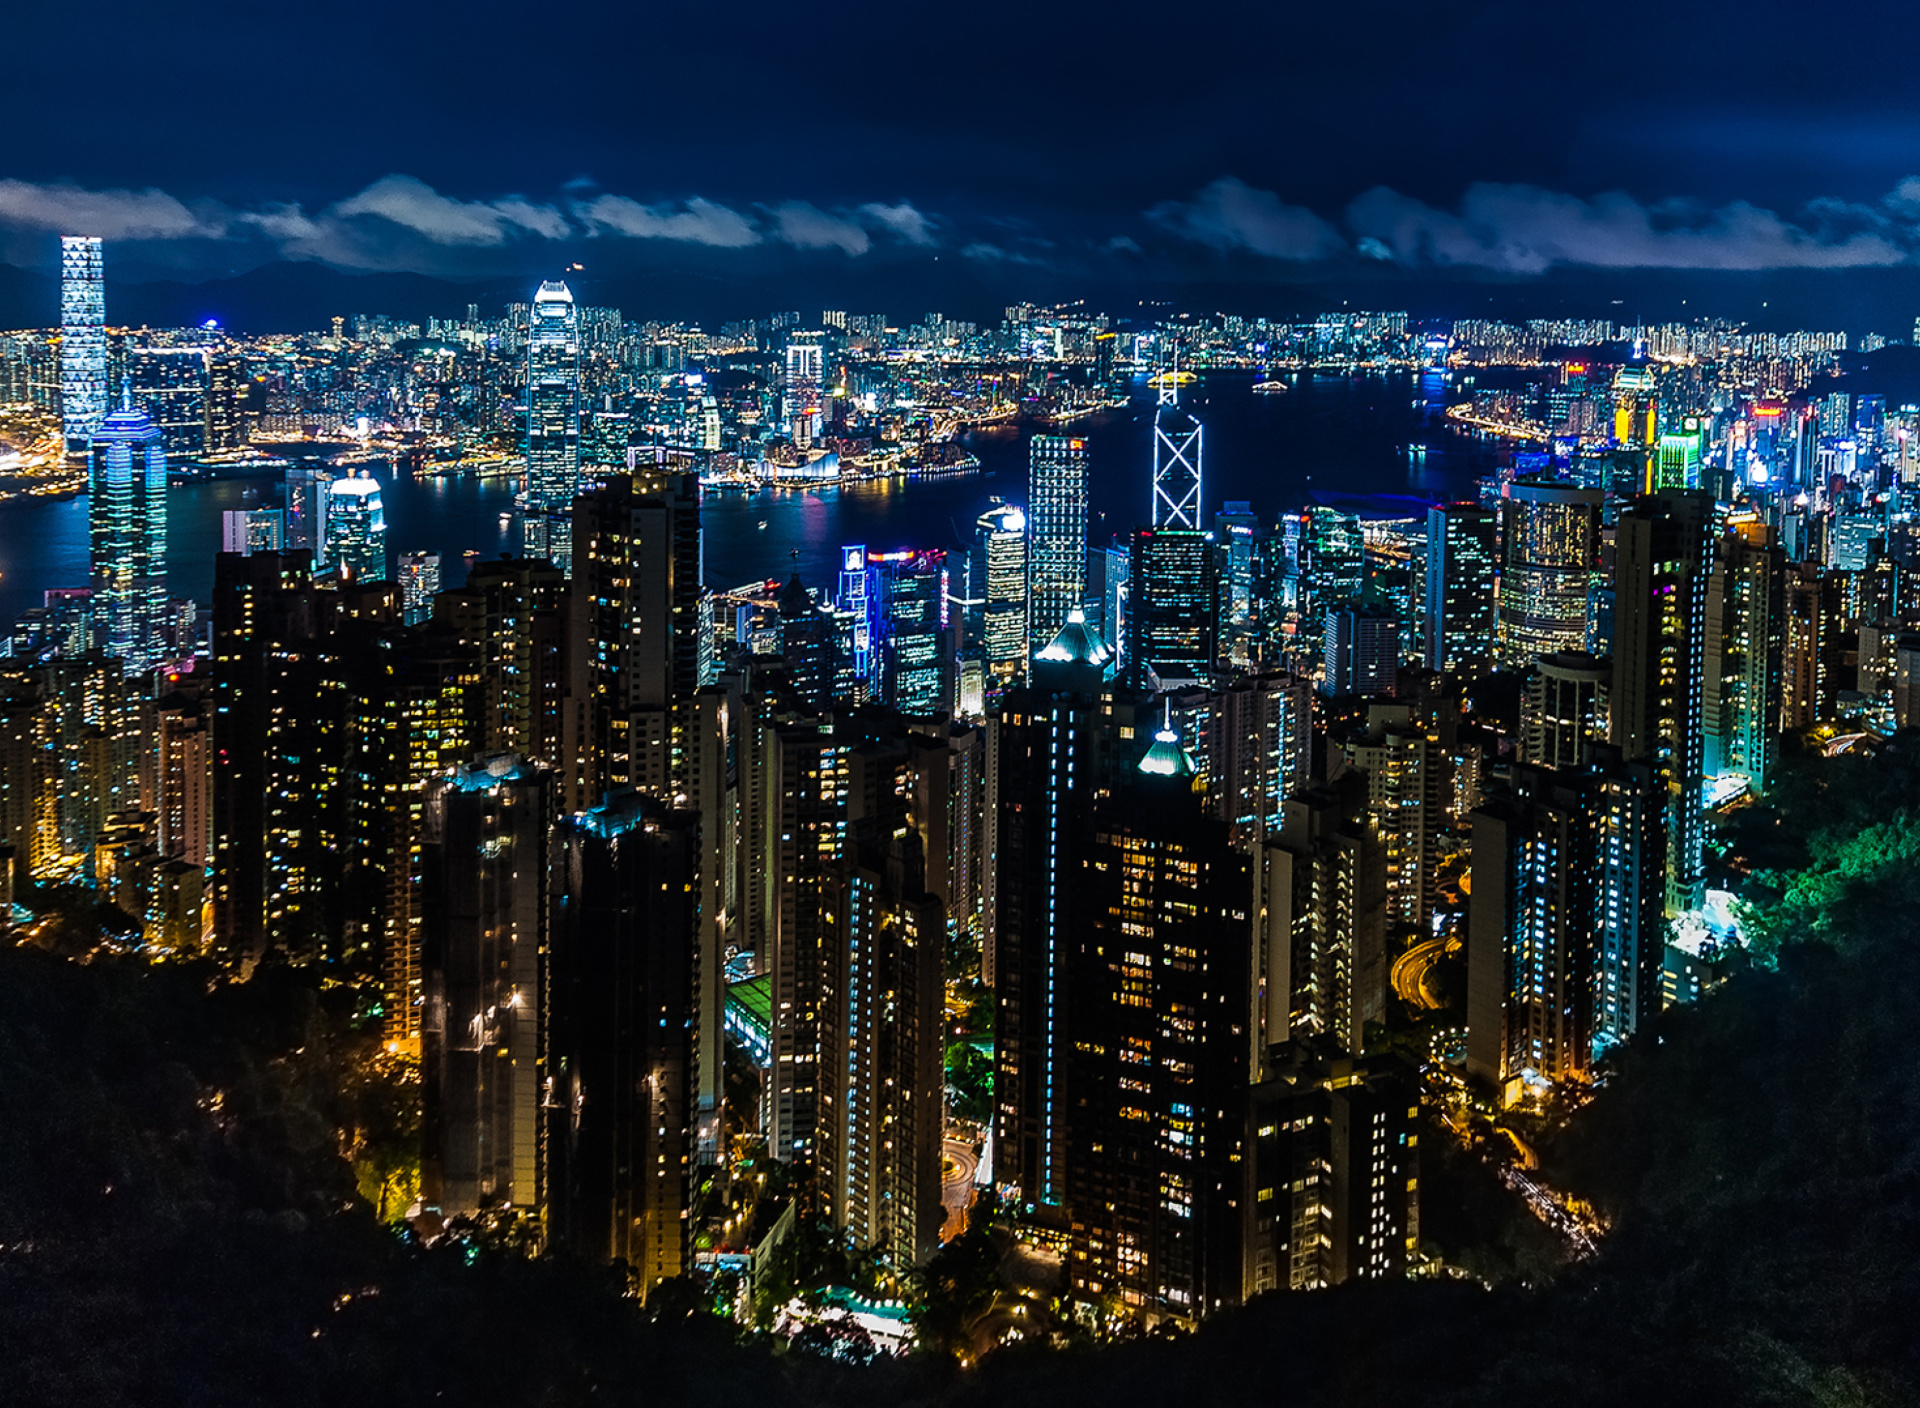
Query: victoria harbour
x=1371 y=443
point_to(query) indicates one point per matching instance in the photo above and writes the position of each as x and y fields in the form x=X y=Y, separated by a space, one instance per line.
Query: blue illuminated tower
x=553 y=424
x=83 y=340
x=127 y=513
x=357 y=528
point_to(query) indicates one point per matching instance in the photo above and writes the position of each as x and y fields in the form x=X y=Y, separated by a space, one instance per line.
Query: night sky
x=1040 y=149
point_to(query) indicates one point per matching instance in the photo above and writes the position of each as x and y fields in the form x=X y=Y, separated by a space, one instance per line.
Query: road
x=1410 y=972
x=957 y=1165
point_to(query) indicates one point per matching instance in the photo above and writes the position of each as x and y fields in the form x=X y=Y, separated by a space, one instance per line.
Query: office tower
x=183 y=767
x=419 y=583
x=251 y=530
x=1177 y=443
x=1679 y=455
x=228 y=414
x=1114 y=567
x=889 y=1047
x=1409 y=791
x=997 y=601
x=1237 y=532
x=1463 y=559
x=127 y=521
x=170 y=385
x=1565 y=933
x=513 y=613
x=1158 y=1049
x=553 y=423
x=357 y=529
x=1851 y=540
x=803 y=391
x=1042 y=757
x=1745 y=649
x=1331 y=1171
x=1323 y=555
x=483 y=1073
x=1663 y=553
x=1056 y=535
x=1173 y=605
x=1565 y=709
x=1553 y=546
x=83 y=340
x=306 y=500
x=624 y=939
x=807 y=643
x=908 y=631
x=1636 y=406
x=1258 y=750
x=1322 y=916
x=637 y=650
x=1362 y=651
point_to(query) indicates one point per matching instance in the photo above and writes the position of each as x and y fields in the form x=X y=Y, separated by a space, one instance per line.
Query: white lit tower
x=83 y=340
x=805 y=406
x=1056 y=534
x=127 y=519
x=553 y=424
x=1177 y=443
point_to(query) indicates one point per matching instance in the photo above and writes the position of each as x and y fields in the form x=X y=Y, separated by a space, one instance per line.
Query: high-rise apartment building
x=1056 y=535
x=1663 y=555
x=484 y=945
x=1463 y=560
x=1410 y=792
x=127 y=522
x=419 y=583
x=553 y=423
x=1565 y=709
x=621 y=1050
x=1746 y=641
x=996 y=601
x=251 y=530
x=1361 y=651
x=1566 y=936
x=84 y=393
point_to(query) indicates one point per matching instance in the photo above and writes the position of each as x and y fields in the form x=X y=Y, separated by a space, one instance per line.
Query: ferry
x=1269 y=388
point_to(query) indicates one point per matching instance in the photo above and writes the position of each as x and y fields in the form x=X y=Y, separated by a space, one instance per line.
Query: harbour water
x=1369 y=442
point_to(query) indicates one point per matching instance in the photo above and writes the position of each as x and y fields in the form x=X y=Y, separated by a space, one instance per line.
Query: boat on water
x=1269 y=388
x=763 y=525
x=1164 y=379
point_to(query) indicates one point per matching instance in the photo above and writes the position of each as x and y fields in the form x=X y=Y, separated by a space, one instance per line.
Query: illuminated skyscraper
x=1663 y=555
x=1746 y=636
x=357 y=528
x=804 y=393
x=170 y=385
x=1564 y=711
x=553 y=423
x=419 y=580
x=1463 y=560
x=83 y=340
x=908 y=627
x=306 y=495
x=1177 y=444
x=996 y=600
x=1173 y=607
x=1677 y=462
x=127 y=513
x=1553 y=538
x=1056 y=535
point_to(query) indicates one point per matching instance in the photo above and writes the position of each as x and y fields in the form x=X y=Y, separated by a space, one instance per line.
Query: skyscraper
x=1174 y=603
x=1178 y=437
x=357 y=528
x=553 y=423
x=83 y=340
x=908 y=629
x=251 y=530
x=170 y=384
x=127 y=513
x=484 y=945
x=1361 y=654
x=1746 y=638
x=997 y=600
x=805 y=387
x=1663 y=553
x=1553 y=543
x=1056 y=535
x=1463 y=560
x=1564 y=711
x=419 y=581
